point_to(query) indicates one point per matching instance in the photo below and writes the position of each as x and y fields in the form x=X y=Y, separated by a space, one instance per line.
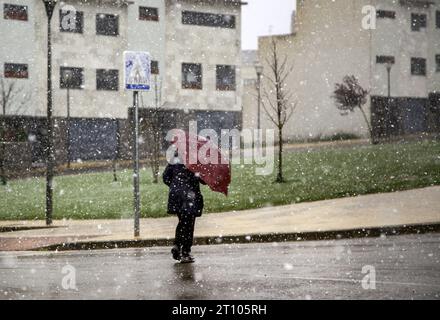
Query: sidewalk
x=323 y=219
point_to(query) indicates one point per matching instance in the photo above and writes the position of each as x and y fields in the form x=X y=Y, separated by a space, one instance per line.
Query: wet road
x=403 y=267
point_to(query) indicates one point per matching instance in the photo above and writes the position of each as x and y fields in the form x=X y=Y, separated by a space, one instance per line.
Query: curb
x=257 y=238
x=25 y=228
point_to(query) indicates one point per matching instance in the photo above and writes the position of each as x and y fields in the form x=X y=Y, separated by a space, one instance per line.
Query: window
x=191 y=76
x=154 y=67
x=437 y=19
x=71 y=78
x=15 y=12
x=225 y=76
x=386 y=14
x=208 y=19
x=437 y=62
x=148 y=14
x=418 y=66
x=71 y=21
x=16 y=70
x=418 y=21
x=385 y=59
x=107 y=24
x=107 y=80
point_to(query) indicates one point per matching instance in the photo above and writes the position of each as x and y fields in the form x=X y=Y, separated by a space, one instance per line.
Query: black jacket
x=184 y=196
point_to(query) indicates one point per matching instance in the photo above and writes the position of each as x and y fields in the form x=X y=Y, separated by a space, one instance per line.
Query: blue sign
x=137 y=70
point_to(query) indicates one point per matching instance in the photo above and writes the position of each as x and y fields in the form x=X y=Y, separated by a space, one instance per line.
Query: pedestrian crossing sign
x=137 y=70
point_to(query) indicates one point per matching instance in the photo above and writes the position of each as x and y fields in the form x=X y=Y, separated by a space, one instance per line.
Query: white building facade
x=195 y=50
x=333 y=39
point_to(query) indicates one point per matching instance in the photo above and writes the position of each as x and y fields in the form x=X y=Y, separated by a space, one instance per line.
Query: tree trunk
x=280 y=178
x=370 y=130
x=155 y=166
x=116 y=155
x=155 y=150
x=3 y=179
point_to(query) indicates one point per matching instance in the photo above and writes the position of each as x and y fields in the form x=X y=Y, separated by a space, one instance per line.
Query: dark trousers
x=185 y=232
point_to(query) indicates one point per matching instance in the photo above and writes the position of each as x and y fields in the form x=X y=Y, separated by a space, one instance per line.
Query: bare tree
x=349 y=96
x=12 y=98
x=117 y=151
x=277 y=98
x=154 y=122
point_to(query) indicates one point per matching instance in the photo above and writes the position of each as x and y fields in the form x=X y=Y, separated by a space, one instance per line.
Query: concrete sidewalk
x=420 y=207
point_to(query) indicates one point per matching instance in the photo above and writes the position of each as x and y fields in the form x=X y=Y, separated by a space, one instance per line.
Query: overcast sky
x=265 y=17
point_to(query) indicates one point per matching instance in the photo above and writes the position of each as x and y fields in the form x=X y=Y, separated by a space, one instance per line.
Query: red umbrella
x=205 y=159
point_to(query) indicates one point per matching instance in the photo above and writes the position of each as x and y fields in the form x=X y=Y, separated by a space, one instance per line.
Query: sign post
x=137 y=67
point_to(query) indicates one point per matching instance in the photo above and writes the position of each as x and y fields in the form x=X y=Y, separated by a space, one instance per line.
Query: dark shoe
x=187 y=258
x=175 y=251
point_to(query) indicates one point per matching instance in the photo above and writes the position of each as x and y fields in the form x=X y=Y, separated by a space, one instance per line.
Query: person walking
x=186 y=201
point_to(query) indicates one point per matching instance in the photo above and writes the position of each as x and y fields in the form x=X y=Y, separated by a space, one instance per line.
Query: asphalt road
x=405 y=267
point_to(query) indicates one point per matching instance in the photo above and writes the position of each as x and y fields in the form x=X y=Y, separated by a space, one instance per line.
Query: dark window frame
x=107 y=79
x=72 y=84
x=418 y=67
x=101 y=28
x=437 y=19
x=385 y=59
x=437 y=63
x=79 y=21
x=16 y=70
x=155 y=67
x=19 y=12
x=418 y=21
x=148 y=14
x=386 y=14
x=197 y=67
x=204 y=19
x=220 y=86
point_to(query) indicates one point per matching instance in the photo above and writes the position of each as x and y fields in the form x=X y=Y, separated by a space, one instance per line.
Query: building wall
x=21 y=43
x=148 y=36
x=93 y=112
x=394 y=37
x=250 y=97
x=90 y=51
x=206 y=45
x=329 y=42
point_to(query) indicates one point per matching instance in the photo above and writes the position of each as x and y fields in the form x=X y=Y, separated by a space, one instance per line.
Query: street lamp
x=389 y=65
x=50 y=158
x=259 y=69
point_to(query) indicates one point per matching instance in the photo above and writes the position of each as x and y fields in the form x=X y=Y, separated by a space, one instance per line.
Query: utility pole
x=136 y=164
x=50 y=157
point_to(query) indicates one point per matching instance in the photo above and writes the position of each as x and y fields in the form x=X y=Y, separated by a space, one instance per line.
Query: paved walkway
x=420 y=206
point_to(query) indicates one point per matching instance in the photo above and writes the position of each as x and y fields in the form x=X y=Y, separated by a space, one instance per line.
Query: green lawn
x=316 y=175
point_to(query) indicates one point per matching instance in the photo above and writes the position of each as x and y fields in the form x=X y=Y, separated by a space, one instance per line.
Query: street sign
x=137 y=70
x=137 y=74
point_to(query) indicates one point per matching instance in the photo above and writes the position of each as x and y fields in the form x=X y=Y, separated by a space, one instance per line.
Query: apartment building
x=194 y=46
x=332 y=39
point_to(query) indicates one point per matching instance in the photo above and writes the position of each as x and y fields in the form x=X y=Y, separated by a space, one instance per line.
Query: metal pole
x=259 y=99
x=136 y=165
x=50 y=155
x=389 y=82
x=68 y=129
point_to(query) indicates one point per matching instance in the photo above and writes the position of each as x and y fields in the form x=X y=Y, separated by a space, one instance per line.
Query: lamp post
x=389 y=65
x=50 y=158
x=259 y=70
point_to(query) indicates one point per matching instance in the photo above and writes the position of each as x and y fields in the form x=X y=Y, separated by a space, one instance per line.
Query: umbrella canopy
x=204 y=158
